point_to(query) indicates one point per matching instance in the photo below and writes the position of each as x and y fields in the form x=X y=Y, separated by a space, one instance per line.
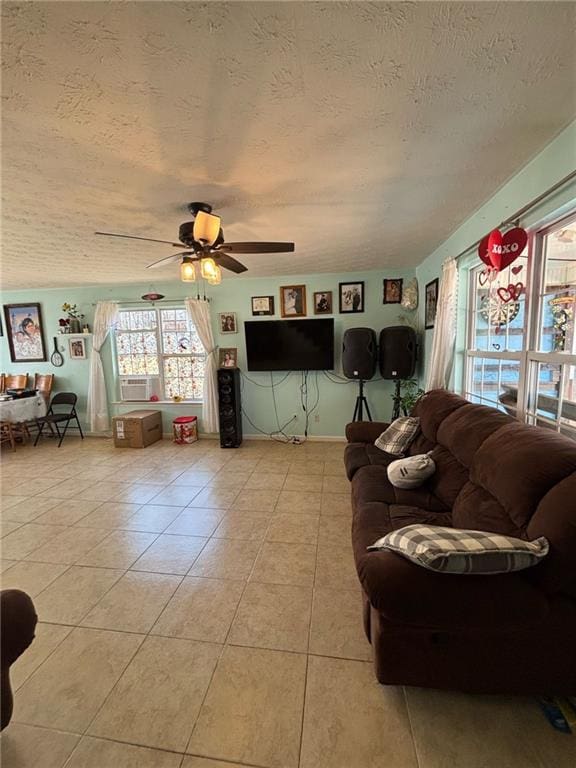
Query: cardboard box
x=137 y=429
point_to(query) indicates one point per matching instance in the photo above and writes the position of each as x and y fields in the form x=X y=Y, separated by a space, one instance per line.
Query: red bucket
x=185 y=429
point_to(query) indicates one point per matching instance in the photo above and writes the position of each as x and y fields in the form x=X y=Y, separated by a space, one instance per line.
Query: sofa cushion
x=555 y=518
x=466 y=428
x=450 y=476
x=405 y=593
x=358 y=455
x=374 y=519
x=466 y=552
x=372 y=484
x=433 y=408
x=420 y=444
x=476 y=508
x=519 y=464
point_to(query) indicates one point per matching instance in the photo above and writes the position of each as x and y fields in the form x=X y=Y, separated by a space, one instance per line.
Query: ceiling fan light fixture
x=206 y=228
x=187 y=270
x=217 y=279
x=208 y=268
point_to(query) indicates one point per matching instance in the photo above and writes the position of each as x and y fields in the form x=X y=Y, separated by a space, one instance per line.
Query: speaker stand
x=361 y=402
x=397 y=398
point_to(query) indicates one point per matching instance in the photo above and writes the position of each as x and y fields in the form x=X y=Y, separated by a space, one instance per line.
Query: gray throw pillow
x=396 y=439
x=453 y=550
x=412 y=471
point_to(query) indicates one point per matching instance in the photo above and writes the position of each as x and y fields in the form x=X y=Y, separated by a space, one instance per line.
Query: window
x=521 y=345
x=163 y=347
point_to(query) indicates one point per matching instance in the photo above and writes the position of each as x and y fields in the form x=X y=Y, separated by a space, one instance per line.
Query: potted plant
x=74 y=317
x=408 y=394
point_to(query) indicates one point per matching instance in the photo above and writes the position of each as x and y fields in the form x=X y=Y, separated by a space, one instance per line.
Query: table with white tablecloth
x=22 y=409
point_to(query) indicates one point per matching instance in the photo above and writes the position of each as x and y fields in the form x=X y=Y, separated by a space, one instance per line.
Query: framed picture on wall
x=431 y=299
x=293 y=300
x=351 y=297
x=323 y=303
x=228 y=357
x=262 y=305
x=228 y=322
x=392 y=293
x=77 y=349
x=25 y=333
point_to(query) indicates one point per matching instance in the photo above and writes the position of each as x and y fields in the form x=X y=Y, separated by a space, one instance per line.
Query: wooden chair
x=43 y=383
x=7 y=434
x=16 y=380
x=10 y=432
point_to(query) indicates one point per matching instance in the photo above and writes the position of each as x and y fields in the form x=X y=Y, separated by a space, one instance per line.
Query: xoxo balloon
x=499 y=251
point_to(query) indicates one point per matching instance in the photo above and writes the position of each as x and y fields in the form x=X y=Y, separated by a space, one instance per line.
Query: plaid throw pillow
x=453 y=550
x=396 y=439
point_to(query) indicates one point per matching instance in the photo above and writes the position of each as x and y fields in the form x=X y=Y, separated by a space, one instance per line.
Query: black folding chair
x=53 y=418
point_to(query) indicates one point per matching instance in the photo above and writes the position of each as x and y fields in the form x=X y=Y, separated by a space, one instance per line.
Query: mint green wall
x=555 y=162
x=233 y=295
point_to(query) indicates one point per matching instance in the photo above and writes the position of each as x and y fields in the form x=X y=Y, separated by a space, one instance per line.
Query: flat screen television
x=290 y=345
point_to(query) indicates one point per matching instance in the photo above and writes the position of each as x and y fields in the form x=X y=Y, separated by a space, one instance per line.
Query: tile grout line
x=419 y=762
x=303 y=718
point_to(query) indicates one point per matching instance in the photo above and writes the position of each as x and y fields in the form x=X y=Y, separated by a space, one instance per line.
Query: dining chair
x=7 y=434
x=16 y=380
x=43 y=383
x=54 y=418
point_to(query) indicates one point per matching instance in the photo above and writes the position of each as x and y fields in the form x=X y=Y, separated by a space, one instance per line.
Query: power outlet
x=317 y=418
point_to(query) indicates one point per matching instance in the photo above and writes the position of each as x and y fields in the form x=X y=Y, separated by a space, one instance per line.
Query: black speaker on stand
x=397 y=358
x=229 y=407
x=359 y=362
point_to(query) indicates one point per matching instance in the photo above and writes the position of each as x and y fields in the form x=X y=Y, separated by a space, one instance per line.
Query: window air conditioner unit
x=139 y=387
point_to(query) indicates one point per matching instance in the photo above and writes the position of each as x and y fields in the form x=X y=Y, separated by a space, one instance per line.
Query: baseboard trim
x=309 y=439
x=215 y=436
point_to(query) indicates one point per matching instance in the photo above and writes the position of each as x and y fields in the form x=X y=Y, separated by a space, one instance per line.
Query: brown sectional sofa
x=513 y=633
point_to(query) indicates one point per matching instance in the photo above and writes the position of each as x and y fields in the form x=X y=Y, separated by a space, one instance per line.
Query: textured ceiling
x=364 y=131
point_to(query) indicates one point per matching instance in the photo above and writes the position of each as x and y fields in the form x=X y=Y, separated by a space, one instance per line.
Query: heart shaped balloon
x=499 y=251
x=495 y=248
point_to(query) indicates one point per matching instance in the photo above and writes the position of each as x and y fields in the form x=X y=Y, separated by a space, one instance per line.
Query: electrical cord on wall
x=266 y=386
x=337 y=379
x=278 y=435
x=304 y=399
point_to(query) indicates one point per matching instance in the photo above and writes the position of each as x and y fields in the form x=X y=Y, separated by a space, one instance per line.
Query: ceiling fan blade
x=228 y=262
x=170 y=259
x=135 y=237
x=258 y=247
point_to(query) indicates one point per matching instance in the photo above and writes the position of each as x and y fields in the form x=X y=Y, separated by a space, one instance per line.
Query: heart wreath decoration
x=499 y=251
x=511 y=293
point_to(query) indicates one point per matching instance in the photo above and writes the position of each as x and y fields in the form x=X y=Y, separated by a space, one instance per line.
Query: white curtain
x=442 y=356
x=199 y=311
x=105 y=317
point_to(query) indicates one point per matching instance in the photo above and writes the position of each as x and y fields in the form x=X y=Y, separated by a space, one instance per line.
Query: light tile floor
x=199 y=608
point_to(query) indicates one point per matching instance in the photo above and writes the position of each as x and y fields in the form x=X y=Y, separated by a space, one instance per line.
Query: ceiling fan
x=204 y=240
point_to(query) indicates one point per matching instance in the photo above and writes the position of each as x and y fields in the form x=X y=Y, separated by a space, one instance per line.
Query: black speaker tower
x=229 y=407
x=359 y=362
x=397 y=358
